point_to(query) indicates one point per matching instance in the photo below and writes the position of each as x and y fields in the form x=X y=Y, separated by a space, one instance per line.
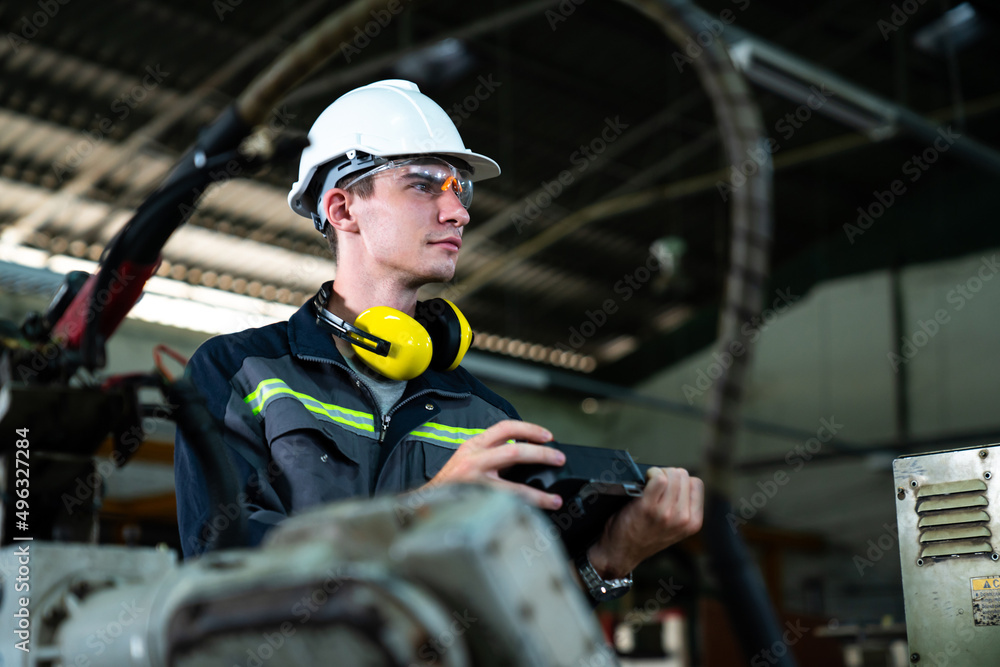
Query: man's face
x=412 y=227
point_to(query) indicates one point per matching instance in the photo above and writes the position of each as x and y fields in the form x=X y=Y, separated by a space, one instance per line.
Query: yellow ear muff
x=465 y=335
x=410 y=345
x=450 y=332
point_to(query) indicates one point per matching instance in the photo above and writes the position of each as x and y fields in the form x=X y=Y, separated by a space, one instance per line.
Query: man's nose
x=451 y=209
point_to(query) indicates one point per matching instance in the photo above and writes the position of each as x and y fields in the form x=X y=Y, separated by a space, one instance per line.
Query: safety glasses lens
x=439 y=178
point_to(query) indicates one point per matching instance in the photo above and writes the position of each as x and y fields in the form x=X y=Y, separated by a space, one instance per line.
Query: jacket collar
x=308 y=339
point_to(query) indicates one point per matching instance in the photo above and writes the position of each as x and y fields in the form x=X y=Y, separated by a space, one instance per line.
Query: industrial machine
x=453 y=576
x=949 y=549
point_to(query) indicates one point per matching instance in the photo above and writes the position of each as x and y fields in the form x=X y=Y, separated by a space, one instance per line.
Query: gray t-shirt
x=387 y=392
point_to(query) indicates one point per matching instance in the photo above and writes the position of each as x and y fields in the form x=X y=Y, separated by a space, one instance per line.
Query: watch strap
x=599 y=588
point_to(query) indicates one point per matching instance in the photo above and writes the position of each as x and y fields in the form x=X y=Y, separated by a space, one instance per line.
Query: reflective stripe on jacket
x=302 y=429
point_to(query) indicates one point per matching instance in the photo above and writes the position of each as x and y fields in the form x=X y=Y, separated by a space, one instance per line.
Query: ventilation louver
x=953 y=519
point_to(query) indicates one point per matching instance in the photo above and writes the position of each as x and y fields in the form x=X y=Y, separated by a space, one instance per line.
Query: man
x=308 y=419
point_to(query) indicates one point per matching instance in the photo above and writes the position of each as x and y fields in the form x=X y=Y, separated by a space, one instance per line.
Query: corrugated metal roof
x=97 y=101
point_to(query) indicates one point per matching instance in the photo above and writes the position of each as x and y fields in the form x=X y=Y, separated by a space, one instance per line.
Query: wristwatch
x=600 y=589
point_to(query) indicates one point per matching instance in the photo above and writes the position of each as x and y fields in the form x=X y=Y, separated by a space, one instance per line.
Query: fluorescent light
x=801 y=82
x=164 y=301
x=207 y=318
x=23 y=255
x=672 y=318
x=63 y=264
x=440 y=63
x=616 y=349
x=960 y=24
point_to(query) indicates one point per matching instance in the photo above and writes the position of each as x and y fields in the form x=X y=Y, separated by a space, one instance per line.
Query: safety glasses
x=430 y=175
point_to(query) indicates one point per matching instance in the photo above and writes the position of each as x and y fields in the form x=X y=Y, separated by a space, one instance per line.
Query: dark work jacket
x=302 y=429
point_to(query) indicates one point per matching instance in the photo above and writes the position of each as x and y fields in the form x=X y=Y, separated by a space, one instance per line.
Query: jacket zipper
x=377 y=416
x=388 y=416
x=422 y=392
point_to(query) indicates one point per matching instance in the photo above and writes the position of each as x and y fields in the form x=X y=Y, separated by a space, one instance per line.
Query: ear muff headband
x=401 y=347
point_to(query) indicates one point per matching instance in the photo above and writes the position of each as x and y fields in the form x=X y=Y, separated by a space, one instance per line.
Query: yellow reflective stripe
x=325 y=406
x=370 y=428
x=446 y=433
x=453 y=429
x=272 y=387
x=252 y=397
x=435 y=436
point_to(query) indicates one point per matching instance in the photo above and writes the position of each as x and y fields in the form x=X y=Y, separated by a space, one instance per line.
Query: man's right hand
x=480 y=459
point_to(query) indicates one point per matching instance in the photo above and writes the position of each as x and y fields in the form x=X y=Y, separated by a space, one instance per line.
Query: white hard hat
x=383 y=119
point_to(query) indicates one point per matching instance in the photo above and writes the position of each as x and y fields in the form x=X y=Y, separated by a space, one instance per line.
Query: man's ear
x=337 y=204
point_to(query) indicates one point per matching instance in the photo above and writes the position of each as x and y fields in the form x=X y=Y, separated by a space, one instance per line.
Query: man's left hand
x=671 y=508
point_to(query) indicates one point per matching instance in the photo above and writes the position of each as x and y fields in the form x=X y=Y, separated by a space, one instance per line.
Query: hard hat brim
x=482 y=166
x=385 y=119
